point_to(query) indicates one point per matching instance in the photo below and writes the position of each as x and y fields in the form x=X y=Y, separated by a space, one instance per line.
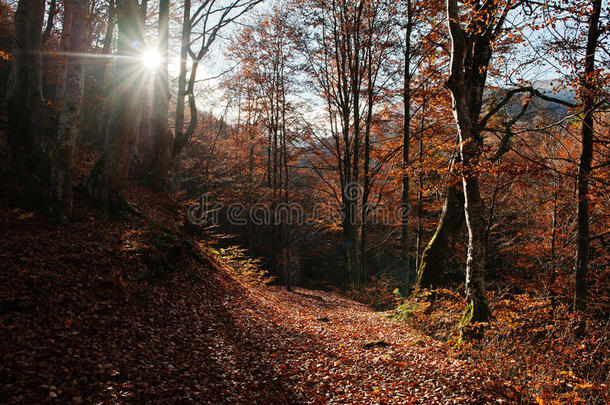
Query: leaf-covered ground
x=85 y=320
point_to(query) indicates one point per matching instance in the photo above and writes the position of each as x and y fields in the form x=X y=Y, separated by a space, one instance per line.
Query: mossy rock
x=375 y=343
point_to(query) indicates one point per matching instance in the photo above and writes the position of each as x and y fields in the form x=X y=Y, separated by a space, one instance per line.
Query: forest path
x=335 y=350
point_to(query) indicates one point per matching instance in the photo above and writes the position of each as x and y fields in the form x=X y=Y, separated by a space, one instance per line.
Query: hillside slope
x=126 y=312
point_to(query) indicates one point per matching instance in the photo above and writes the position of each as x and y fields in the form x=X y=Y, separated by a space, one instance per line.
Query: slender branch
x=599 y=236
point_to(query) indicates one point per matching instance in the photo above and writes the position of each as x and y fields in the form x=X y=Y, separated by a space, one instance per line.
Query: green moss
x=431 y=272
x=460 y=342
x=468 y=316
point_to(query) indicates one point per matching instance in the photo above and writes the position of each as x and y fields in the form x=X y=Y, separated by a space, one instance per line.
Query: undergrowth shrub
x=549 y=353
x=244 y=267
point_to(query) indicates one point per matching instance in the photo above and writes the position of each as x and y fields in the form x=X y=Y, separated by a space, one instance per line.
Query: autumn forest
x=305 y=201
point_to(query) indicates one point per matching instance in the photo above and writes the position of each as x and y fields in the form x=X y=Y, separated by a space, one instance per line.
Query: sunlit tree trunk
x=586 y=156
x=478 y=309
x=471 y=50
x=69 y=119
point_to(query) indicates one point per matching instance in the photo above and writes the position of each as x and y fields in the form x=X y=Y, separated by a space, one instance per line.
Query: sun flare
x=151 y=59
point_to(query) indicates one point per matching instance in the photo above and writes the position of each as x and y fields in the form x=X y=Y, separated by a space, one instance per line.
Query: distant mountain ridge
x=537 y=105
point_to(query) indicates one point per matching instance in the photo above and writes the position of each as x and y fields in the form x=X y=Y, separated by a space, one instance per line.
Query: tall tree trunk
x=35 y=97
x=420 y=187
x=64 y=46
x=586 y=156
x=17 y=85
x=553 y=272
x=144 y=107
x=478 y=308
x=110 y=175
x=471 y=50
x=69 y=119
x=276 y=192
x=351 y=244
x=162 y=134
x=16 y=92
x=355 y=71
x=288 y=269
x=144 y=139
x=285 y=232
x=406 y=135
x=182 y=90
x=24 y=94
x=366 y=178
